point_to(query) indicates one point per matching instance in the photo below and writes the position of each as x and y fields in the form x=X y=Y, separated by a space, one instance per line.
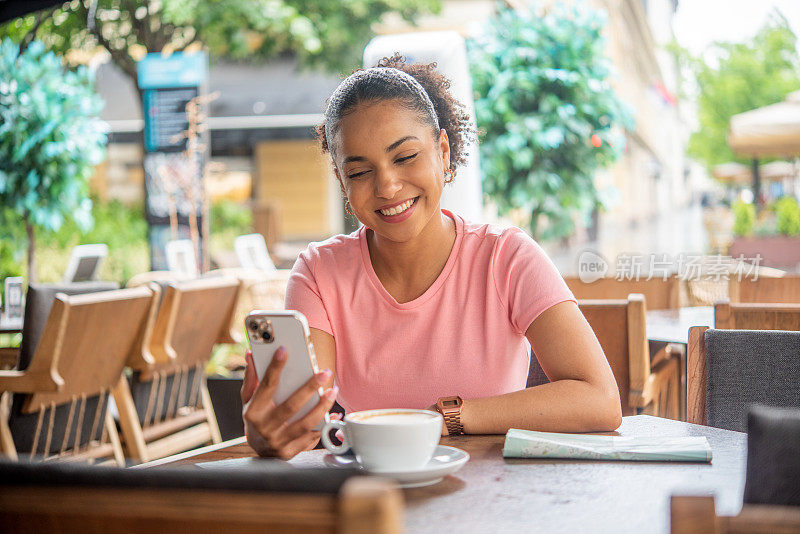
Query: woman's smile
x=398 y=212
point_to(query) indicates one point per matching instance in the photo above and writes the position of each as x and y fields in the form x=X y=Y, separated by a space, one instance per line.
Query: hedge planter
x=781 y=252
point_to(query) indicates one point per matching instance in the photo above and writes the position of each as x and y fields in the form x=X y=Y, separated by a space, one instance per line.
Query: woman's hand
x=266 y=427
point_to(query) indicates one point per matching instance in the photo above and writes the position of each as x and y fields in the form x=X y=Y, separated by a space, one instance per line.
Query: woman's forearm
x=561 y=406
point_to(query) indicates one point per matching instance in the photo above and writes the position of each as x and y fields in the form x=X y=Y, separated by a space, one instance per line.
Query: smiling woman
x=419 y=307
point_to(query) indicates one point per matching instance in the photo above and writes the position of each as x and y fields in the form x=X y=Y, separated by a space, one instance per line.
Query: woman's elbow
x=609 y=411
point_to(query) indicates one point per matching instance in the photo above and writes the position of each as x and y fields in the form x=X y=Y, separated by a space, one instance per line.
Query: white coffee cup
x=389 y=439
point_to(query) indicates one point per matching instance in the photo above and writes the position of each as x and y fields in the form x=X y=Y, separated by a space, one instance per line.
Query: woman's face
x=392 y=168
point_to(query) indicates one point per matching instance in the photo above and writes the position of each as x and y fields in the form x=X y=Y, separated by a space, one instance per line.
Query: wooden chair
x=697 y=515
x=729 y=315
x=660 y=294
x=164 y=406
x=258 y=290
x=279 y=500
x=785 y=289
x=39 y=299
x=58 y=406
x=646 y=385
x=730 y=370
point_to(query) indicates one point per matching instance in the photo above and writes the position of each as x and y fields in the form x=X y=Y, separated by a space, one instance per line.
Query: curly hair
x=418 y=87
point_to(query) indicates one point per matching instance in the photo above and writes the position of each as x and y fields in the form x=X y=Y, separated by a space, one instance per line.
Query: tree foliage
x=51 y=138
x=326 y=33
x=548 y=114
x=738 y=77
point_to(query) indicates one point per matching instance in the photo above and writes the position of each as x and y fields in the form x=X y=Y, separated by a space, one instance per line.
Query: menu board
x=173 y=178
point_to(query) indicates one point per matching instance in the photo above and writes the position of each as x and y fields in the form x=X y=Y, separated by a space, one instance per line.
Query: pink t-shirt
x=464 y=336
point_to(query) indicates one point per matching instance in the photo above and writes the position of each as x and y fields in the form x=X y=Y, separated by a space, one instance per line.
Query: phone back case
x=268 y=330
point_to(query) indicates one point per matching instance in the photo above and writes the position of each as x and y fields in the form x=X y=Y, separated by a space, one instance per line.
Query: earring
x=348 y=208
x=449 y=177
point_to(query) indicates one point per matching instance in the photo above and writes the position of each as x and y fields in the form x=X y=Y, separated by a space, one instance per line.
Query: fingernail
x=331 y=393
x=336 y=415
x=323 y=376
x=339 y=435
x=280 y=354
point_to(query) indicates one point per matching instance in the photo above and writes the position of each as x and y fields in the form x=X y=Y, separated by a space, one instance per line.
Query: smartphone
x=268 y=330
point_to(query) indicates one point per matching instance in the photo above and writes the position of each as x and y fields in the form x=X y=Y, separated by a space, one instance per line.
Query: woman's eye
x=356 y=175
x=406 y=158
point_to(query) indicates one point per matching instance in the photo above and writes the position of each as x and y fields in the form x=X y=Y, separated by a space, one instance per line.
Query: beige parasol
x=768 y=131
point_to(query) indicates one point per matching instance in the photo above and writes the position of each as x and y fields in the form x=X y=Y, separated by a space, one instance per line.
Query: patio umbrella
x=732 y=173
x=772 y=130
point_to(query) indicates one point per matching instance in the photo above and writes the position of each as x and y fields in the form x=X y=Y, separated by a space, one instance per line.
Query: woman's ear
x=444 y=146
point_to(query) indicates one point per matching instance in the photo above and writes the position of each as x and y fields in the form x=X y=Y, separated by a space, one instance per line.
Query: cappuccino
x=396 y=418
x=388 y=440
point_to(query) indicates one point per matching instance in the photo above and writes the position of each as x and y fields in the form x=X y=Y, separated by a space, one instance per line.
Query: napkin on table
x=531 y=444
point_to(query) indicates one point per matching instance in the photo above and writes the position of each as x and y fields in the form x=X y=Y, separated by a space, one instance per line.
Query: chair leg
x=7 y=447
x=216 y=437
x=113 y=437
x=129 y=422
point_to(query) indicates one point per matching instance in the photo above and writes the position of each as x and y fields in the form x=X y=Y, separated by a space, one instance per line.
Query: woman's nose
x=387 y=184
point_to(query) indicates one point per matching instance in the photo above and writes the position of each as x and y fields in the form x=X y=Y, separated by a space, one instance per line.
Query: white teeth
x=398 y=209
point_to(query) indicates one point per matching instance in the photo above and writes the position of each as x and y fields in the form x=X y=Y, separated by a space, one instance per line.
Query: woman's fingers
x=306 y=423
x=303 y=443
x=250 y=382
x=300 y=397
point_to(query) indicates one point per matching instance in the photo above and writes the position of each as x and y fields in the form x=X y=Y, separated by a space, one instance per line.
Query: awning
x=768 y=131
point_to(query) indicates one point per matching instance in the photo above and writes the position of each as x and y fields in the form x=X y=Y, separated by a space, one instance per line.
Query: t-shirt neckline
x=422 y=299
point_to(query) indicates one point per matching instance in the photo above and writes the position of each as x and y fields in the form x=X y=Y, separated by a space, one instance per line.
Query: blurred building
x=261 y=126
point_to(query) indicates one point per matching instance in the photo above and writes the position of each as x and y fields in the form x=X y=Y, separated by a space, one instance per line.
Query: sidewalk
x=667 y=236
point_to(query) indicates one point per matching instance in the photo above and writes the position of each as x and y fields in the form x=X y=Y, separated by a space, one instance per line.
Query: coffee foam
x=392 y=418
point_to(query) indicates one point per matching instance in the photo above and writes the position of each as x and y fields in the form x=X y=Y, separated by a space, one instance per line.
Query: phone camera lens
x=266 y=335
x=253 y=326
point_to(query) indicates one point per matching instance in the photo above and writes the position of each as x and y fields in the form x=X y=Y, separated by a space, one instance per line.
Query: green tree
x=547 y=112
x=51 y=138
x=738 y=77
x=326 y=33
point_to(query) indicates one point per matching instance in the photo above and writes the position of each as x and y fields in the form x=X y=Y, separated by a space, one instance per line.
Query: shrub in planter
x=744 y=218
x=787 y=214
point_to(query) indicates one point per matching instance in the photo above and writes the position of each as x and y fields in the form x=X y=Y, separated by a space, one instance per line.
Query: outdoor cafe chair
x=660 y=294
x=728 y=371
x=772 y=482
x=266 y=496
x=728 y=315
x=164 y=406
x=784 y=289
x=648 y=385
x=38 y=301
x=57 y=406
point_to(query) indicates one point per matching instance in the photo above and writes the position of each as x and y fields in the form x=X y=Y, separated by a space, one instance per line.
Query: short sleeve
x=303 y=294
x=526 y=280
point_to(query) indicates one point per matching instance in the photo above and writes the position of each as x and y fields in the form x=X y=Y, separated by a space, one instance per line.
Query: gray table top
x=672 y=326
x=493 y=494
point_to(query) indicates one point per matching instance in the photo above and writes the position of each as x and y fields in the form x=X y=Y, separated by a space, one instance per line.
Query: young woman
x=419 y=308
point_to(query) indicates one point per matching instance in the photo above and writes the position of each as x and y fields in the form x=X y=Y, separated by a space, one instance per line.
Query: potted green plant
x=774 y=238
x=51 y=137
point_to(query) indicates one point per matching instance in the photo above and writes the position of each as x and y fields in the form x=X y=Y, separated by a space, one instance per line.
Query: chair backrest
x=193 y=316
x=785 y=289
x=738 y=316
x=660 y=294
x=697 y=515
x=85 y=262
x=38 y=302
x=728 y=371
x=251 y=249
x=86 y=341
x=620 y=328
x=265 y=497
x=182 y=258
x=773 y=456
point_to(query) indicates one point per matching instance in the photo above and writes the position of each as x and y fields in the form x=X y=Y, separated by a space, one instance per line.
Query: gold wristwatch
x=450 y=408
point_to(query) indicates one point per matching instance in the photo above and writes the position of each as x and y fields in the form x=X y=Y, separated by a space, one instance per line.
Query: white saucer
x=446 y=460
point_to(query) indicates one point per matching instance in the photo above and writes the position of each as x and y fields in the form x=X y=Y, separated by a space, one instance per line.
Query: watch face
x=450 y=403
